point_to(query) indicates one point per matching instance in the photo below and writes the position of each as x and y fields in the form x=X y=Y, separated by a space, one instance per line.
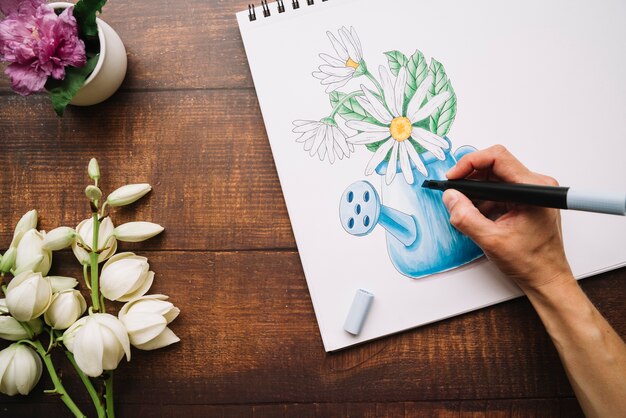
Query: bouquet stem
x=58 y=386
x=93 y=258
x=108 y=384
x=97 y=402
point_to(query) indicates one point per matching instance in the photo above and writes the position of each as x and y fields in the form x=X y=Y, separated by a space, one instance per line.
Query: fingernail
x=450 y=197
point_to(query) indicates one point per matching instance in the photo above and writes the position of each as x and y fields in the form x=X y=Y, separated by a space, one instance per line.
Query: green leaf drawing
x=441 y=120
x=417 y=70
x=374 y=146
x=85 y=14
x=63 y=91
x=396 y=60
x=350 y=109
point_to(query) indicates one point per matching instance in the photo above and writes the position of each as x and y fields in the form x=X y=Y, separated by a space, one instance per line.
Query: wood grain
x=249 y=337
x=205 y=153
x=505 y=408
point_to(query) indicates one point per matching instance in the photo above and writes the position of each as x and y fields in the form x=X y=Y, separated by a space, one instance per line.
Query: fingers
x=496 y=160
x=465 y=217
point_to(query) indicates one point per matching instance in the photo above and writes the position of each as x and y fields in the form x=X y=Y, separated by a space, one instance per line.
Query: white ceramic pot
x=110 y=70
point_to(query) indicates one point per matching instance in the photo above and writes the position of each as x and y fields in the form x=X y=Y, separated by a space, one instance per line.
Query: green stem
x=343 y=100
x=28 y=329
x=93 y=258
x=103 y=208
x=58 y=386
x=108 y=384
x=86 y=276
x=97 y=402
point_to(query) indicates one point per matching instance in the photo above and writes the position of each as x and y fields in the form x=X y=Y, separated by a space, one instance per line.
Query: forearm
x=593 y=355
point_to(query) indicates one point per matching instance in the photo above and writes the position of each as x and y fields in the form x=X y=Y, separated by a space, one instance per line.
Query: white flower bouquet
x=41 y=313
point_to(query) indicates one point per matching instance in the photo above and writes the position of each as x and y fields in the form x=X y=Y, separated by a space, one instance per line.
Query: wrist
x=549 y=285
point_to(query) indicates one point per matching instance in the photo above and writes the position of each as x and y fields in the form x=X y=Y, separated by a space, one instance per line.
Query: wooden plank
x=190 y=44
x=205 y=153
x=506 y=408
x=249 y=336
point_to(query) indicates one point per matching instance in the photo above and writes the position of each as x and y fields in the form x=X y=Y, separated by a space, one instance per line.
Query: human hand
x=524 y=242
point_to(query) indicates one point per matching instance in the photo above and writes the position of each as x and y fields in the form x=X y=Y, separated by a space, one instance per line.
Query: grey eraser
x=358 y=311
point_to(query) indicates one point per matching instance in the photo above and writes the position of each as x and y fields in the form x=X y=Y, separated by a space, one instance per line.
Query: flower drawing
x=399 y=116
x=342 y=67
x=323 y=138
x=38 y=44
x=396 y=128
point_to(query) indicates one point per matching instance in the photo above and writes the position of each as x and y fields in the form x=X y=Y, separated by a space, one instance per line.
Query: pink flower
x=38 y=44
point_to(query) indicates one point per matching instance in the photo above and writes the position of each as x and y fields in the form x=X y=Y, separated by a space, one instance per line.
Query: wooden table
x=187 y=121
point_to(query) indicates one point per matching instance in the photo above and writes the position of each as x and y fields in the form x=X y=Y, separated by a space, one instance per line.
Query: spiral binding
x=295 y=4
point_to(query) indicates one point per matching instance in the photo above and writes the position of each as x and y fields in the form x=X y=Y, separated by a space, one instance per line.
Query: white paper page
x=546 y=79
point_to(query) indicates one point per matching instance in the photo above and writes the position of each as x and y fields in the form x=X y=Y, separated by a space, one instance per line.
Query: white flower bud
x=27 y=222
x=8 y=260
x=146 y=320
x=93 y=169
x=20 y=369
x=29 y=250
x=65 y=309
x=28 y=295
x=105 y=239
x=99 y=342
x=93 y=193
x=128 y=194
x=137 y=231
x=59 y=238
x=125 y=276
x=11 y=329
x=61 y=283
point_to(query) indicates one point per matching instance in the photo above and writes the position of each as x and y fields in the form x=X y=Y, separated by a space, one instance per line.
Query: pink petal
x=26 y=79
x=22 y=7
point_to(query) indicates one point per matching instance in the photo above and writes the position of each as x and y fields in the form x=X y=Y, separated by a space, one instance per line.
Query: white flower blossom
x=146 y=320
x=128 y=194
x=323 y=138
x=20 y=369
x=31 y=255
x=396 y=129
x=28 y=295
x=98 y=342
x=66 y=307
x=137 y=231
x=342 y=67
x=106 y=240
x=125 y=276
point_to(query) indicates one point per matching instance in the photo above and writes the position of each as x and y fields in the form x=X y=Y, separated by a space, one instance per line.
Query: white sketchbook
x=363 y=100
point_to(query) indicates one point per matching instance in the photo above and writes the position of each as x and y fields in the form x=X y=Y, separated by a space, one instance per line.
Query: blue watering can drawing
x=420 y=239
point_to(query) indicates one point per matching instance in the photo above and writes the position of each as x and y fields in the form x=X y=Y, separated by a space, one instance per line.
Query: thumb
x=465 y=217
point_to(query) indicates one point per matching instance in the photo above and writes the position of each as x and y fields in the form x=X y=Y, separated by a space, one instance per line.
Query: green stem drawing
x=343 y=100
x=376 y=83
x=58 y=386
x=93 y=258
x=97 y=402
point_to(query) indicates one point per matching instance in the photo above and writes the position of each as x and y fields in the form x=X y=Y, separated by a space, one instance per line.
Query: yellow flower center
x=400 y=128
x=352 y=64
x=35 y=33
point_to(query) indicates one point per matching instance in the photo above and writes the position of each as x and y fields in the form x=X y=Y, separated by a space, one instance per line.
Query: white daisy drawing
x=341 y=68
x=323 y=138
x=398 y=130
